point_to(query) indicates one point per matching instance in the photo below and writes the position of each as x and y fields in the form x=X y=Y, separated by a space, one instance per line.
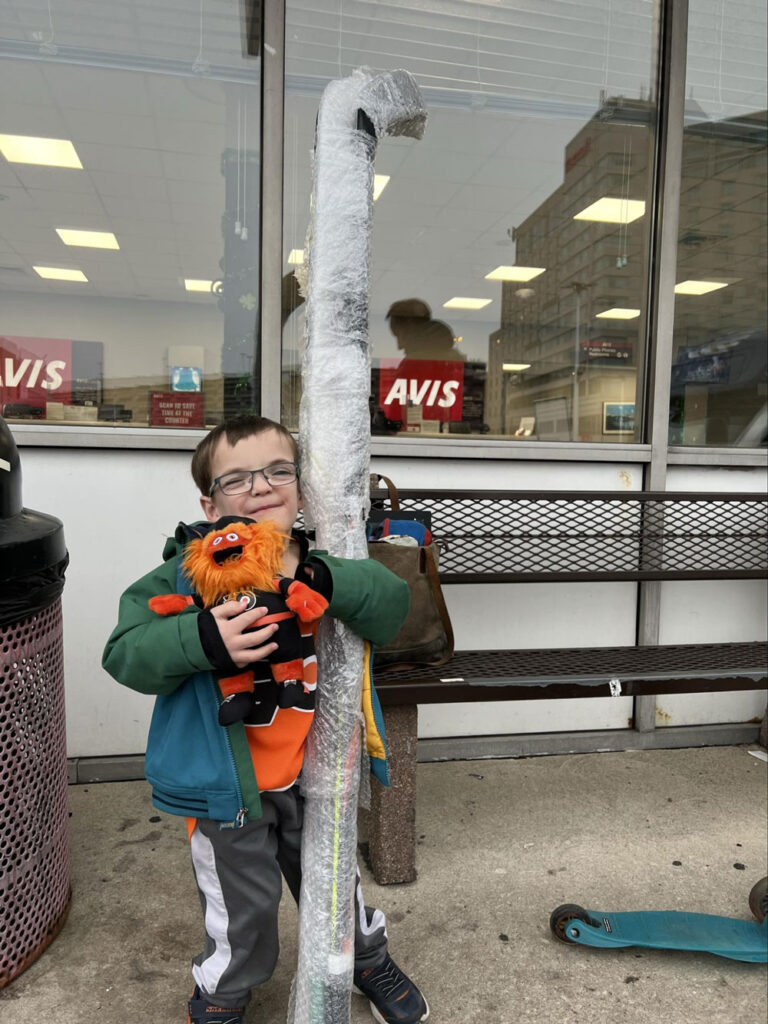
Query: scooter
x=668 y=929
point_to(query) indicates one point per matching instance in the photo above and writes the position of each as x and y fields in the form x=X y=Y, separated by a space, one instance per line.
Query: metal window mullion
x=671 y=93
x=272 y=147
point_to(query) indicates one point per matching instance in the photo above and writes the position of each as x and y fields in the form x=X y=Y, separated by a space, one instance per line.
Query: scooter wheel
x=562 y=916
x=758 y=899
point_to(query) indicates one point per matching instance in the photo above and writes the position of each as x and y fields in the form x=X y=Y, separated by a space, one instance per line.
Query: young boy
x=238 y=786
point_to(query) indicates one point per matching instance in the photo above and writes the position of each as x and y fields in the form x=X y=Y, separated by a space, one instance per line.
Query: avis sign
x=34 y=371
x=434 y=385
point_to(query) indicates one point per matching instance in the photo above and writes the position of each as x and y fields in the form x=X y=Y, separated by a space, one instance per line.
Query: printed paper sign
x=174 y=409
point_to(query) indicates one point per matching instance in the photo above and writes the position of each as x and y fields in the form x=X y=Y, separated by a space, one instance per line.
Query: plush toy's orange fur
x=257 y=551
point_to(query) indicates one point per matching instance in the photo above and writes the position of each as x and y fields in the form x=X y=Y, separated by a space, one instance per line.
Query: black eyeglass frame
x=252 y=472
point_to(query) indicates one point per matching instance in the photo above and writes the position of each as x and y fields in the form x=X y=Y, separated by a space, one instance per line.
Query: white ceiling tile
x=192 y=167
x=106 y=90
x=125 y=130
x=59 y=179
x=23 y=81
x=429 y=163
x=18 y=116
x=193 y=137
x=201 y=195
x=485 y=197
x=71 y=205
x=414 y=190
x=194 y=99
x=121 y=159
x=137 y=209
x=129 y=186
x=475 y=220
x=138 y=235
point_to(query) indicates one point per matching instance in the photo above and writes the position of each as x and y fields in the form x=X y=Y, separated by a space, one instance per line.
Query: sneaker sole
x=377 y=1016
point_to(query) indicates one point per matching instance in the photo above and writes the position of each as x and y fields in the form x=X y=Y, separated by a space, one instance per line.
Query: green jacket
x=196 y=767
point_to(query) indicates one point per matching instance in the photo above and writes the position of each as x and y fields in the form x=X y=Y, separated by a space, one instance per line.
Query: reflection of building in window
x=719 y=360
x=578 y=328
x=550 y=326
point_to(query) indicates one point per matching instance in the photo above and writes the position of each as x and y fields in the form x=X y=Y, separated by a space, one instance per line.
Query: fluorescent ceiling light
x=699 y=287
x=514 y=273
x=60 y=274
x=380 y=182
x=617 y=313
x=460 y=302
x=296 y=257
x=193 y=284
x=515 y=367
x=613 y=211
x=92 y=239
x=25 y=149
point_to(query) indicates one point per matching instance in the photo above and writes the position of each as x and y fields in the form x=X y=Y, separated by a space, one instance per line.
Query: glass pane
x=529 y=195
x=129 y=249
x=721 y=301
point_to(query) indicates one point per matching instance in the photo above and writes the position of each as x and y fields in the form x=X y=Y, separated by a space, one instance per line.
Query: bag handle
x=430 y=564
x=394 y=497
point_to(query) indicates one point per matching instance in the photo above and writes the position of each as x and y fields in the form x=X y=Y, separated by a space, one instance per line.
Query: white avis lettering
x=422 y=392
x=27 y=373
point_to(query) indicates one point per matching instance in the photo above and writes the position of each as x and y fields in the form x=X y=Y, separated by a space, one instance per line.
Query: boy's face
x=263 y=501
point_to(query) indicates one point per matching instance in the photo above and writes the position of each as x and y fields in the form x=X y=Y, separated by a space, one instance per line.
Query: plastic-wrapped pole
x=335 y=441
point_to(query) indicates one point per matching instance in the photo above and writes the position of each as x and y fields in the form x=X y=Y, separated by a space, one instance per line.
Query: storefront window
x=721 y=301
x=510 y=248
x=129 y=211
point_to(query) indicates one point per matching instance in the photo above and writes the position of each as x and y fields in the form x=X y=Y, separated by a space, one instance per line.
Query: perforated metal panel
x=528 y=536
x=34 y=839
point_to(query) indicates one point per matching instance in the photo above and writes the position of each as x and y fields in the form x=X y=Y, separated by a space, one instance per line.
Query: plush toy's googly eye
x=232 y=536
x=216 y=543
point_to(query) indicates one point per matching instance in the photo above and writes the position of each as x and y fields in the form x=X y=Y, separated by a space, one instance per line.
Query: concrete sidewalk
x=501 y=843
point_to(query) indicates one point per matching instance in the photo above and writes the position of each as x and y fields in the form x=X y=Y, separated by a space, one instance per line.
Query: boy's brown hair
x=235 y=429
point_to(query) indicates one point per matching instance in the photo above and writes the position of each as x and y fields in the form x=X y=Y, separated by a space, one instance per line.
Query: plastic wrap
x=335 y=442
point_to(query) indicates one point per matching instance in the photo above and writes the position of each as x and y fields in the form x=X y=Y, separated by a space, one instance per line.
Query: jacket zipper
x=240 y=818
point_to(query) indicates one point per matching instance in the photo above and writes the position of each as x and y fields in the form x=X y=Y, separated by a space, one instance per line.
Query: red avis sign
x=34 y=371
x=436 y=385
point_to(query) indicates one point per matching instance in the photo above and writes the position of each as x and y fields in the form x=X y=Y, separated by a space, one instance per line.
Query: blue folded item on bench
x=392 y=527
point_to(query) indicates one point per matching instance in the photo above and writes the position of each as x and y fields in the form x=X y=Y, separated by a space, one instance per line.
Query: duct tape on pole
x=34 y=836
x=354 y=114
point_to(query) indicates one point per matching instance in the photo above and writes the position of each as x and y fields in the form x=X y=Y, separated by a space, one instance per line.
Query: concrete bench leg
x=392 y=821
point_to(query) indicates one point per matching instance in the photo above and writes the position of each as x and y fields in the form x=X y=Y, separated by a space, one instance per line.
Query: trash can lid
x=29 y=541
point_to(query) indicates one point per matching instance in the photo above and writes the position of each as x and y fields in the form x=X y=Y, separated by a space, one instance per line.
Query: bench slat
x=579 y=672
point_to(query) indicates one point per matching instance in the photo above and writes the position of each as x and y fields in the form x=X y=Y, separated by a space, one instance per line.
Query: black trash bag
x=32 y=593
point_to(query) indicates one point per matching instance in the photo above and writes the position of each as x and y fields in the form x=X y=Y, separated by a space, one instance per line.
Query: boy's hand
x=244 y=642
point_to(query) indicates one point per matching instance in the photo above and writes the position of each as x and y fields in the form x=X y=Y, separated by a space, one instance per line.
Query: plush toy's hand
x=170 y=604
x=301 y=599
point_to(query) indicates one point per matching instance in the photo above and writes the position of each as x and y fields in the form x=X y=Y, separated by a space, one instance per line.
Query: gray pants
x=238 y=876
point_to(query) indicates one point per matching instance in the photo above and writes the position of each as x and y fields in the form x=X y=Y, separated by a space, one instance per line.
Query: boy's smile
x=280 y=504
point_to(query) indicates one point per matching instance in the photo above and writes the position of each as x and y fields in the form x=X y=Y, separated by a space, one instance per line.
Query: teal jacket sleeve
x=366 y=596
x=153 y=653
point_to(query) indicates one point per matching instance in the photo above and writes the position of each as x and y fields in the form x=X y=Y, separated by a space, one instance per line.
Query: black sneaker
x=203 y=1011
x=393 y=996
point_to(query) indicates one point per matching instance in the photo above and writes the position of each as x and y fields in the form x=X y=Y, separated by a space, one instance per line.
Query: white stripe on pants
x=238 y=873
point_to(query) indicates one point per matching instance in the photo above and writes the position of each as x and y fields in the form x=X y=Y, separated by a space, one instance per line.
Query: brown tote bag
x=426 y=637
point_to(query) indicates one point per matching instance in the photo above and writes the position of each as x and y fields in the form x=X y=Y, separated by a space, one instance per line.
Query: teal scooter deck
x=663 y=929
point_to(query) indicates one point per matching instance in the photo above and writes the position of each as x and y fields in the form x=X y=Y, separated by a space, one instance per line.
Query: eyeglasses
x=241 y=480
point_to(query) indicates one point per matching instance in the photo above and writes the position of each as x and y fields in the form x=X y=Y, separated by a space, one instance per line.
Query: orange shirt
x=277 y=735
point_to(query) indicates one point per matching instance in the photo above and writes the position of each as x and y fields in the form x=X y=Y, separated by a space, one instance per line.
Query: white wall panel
x=118 y=506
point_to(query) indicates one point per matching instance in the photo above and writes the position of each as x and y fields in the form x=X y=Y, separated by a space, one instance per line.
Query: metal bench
x=575 y=536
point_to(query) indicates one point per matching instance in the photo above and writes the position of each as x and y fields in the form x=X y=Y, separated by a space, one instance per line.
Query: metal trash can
x=34 y=827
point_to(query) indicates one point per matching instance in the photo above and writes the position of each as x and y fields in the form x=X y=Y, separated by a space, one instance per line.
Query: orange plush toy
x=242 y=561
